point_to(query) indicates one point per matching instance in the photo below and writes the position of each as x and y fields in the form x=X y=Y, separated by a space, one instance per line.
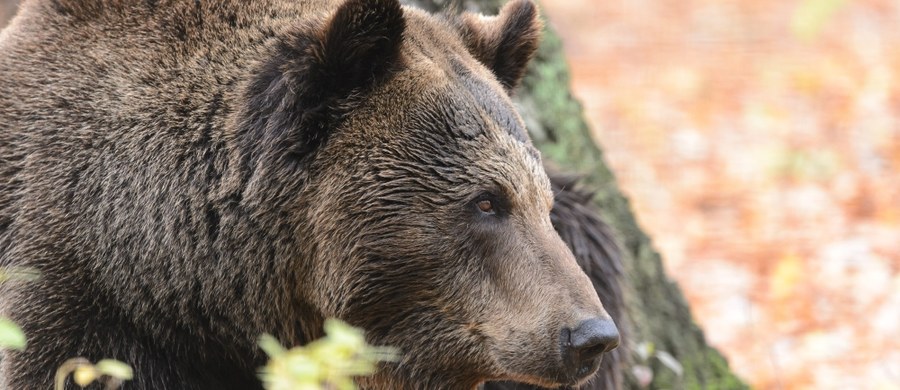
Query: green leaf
x=115 y=369
x=19 y=273
x=271 y=346
x=669 y=361
x=331 y=362
x=85 y=374
x=11 y=336
x=644 y=350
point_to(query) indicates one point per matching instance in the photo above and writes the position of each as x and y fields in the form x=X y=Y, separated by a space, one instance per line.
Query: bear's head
x=422 y=207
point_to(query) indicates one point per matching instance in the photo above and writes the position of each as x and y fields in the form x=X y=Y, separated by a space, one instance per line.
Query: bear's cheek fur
x=481 y=289
x=525 y=273
x=411 y=267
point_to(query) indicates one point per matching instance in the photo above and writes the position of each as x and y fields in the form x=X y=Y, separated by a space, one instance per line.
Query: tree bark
x=657 y=313
x=656 y=309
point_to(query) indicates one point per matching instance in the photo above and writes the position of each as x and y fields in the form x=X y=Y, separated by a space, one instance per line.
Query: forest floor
x=764 y=160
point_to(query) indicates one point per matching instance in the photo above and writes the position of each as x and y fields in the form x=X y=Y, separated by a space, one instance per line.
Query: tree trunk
x=657 y=313
x=657 y=310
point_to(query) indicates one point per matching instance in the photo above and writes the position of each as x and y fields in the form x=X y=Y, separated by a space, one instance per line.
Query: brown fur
x=597 y=252
x=188 y=175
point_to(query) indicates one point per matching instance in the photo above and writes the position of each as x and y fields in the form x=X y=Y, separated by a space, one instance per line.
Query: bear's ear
x=504 y=43
x=359 y=45
x=316 y=72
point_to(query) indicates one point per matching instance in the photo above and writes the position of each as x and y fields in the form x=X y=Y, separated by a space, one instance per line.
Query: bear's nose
x=593 y=337
x=582 y=346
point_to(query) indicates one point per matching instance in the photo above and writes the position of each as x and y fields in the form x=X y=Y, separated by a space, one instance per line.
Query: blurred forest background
x=759 y=141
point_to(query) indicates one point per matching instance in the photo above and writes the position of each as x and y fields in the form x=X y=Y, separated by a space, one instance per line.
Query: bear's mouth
x=577 y=366
x=564 y=377
x=583 y=372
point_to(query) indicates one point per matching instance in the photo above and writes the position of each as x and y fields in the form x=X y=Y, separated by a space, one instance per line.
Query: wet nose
x=594 y=337
x=583 y=345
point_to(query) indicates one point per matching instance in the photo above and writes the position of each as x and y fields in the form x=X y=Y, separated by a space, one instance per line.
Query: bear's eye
x=486 y=206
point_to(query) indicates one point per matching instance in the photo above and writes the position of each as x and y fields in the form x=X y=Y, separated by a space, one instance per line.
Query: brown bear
x=187 y=175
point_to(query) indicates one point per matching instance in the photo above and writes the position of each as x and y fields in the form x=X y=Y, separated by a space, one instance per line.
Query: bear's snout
x=582 y=347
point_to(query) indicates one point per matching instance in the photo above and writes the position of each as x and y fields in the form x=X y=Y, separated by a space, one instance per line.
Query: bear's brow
x=490 y=101
x=460 y=114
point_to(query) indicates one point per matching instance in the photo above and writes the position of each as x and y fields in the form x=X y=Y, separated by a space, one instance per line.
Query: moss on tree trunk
x=658 y=312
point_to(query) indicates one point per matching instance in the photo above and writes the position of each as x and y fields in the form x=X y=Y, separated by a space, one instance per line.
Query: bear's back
x=116 y=160
x=68 y=63
x=143 y=88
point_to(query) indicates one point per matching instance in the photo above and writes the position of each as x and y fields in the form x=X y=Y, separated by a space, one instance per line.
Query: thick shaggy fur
x=187 y=175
